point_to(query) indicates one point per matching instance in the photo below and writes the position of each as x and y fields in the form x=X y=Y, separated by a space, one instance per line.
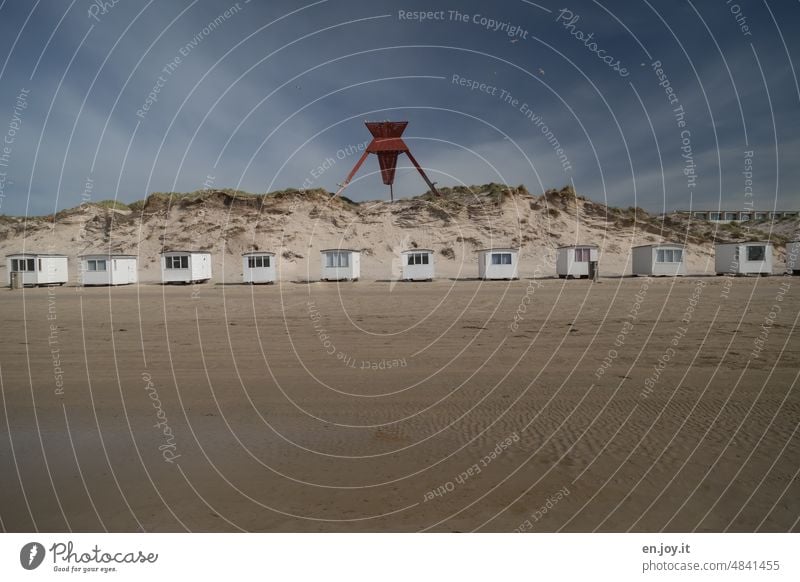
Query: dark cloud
x=258 y=97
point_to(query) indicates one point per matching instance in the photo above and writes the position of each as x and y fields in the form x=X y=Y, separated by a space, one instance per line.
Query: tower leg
x=352 y=173
x=422 y=173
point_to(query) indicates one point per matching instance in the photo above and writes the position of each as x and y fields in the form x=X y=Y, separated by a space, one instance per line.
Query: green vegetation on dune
x=113 y=204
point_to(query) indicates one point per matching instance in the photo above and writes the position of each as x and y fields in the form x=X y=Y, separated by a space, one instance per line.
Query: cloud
x=269 y=112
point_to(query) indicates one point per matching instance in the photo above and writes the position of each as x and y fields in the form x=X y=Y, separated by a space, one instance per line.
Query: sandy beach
x=533 y=405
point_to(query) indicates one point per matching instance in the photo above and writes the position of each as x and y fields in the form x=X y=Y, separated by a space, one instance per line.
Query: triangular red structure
x=387 y=144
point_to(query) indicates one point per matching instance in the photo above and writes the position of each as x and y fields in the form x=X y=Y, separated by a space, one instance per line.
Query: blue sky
x=264 y=97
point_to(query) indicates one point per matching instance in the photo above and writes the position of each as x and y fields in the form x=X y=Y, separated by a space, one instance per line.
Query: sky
x=662 y=104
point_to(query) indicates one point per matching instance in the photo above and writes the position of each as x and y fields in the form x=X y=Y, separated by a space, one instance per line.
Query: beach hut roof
x=34 y=254
x=112 y=255
x=664 y=244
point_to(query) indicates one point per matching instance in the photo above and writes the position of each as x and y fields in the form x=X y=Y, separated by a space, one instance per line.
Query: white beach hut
x=185 y=266
x=577 y=261
x=743 y=258
x=258 y=267
x=793 y=257
x=498 y=263
x=340 y=265
x=108 y=269
x=417 y=265
x=37 y=268
x=665 y=259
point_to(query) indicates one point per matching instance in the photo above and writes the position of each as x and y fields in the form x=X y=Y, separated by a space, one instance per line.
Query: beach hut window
x=96 y=265
x=257 y=262
x=418 y=259
x=756 y=253
x=181 y=262
x=669 y=256
x=23 y=265
x=581 y=255
x=501 y=258
x=337 y=260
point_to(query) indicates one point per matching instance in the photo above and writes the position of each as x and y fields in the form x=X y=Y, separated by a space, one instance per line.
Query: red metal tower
x=387 y=145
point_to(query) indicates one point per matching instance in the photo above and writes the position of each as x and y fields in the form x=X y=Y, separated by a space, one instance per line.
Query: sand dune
x=296 y=225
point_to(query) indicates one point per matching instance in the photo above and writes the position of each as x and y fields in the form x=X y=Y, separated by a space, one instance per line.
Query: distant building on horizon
x=739 y=215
